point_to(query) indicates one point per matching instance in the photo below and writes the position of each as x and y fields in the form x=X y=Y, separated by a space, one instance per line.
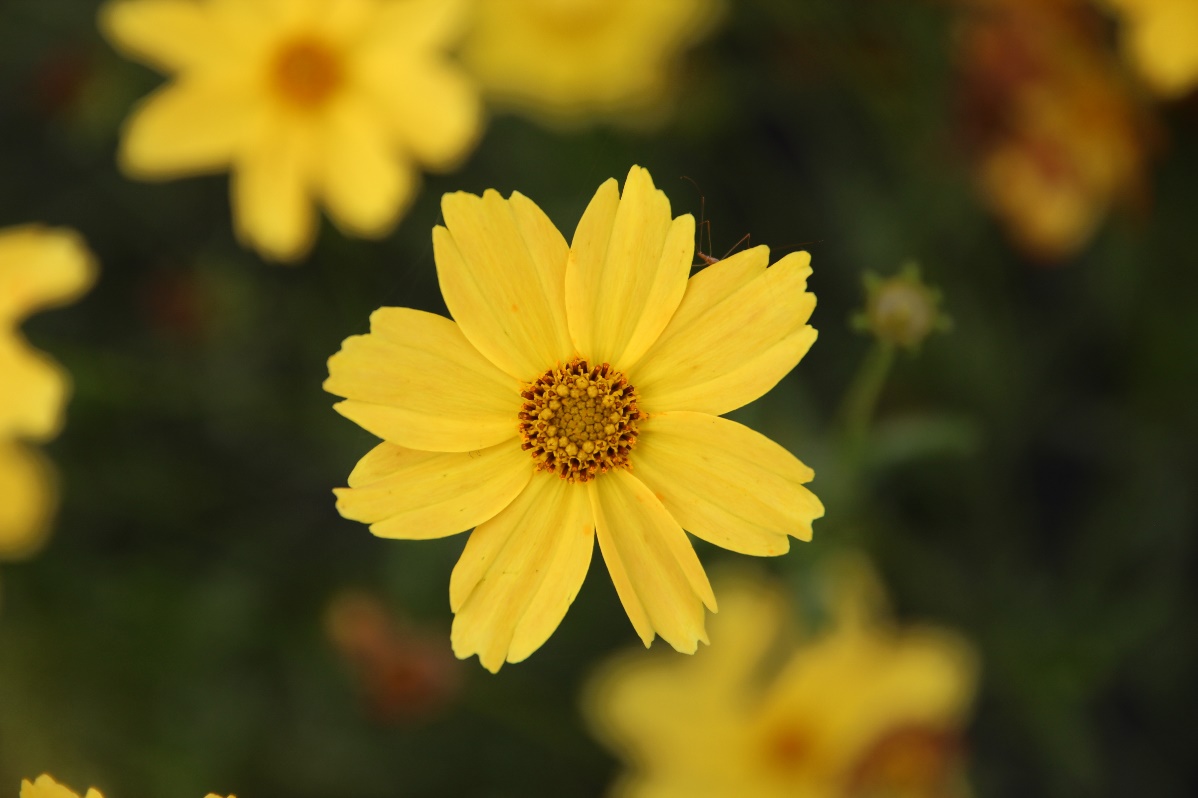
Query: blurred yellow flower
x=857 y=709
x=521 y=418
x=567 y=60
x=334 y=101
x=1161 y=37
x=39 y=268
x=46 y=787
x=1059 y=136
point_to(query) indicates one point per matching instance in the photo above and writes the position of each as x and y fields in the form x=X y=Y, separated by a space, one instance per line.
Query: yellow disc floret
x=307 y=72
x=578 y=421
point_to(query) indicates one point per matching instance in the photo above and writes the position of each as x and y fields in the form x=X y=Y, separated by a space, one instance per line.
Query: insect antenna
x=704 y=225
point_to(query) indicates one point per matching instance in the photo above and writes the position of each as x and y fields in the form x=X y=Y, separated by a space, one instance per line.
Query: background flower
x=39 y=268
x=336 y=101
x=46 y=787
x=853 y=708
x=1161 y=39
x=1058 y=135
x=574 y=60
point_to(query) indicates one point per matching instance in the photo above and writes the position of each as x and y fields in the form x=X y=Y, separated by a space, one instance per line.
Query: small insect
x=705 y=258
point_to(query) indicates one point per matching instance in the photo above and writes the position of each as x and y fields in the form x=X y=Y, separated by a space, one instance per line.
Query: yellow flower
x=1162 y=39
x=39 y=268
x=857 y=709
x=303 y=100
x=570 y=59
x=1060 y=138
x=521 y=418
x=46 y=787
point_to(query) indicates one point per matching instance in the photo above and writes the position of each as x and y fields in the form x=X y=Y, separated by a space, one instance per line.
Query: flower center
x=307 y=71
x=788 y=751
x=578 y=421
x=916 y=759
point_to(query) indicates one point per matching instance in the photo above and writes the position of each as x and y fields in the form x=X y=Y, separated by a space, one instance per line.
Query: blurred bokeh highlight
x=1001 y=410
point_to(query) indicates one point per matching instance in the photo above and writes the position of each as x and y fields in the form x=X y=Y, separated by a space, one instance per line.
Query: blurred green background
x=1030 y=478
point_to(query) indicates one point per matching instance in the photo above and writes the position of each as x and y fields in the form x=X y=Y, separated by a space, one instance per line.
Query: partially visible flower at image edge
x=1059 y=138
x=1161 y=38
x=573 y=60
x=335 y=101
x=39 y=268
x=46 y=787
x=857 y=707
x=577 y=394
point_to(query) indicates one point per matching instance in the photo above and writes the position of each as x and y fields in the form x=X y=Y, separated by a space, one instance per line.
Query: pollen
x=307 y=72
x=579 y=420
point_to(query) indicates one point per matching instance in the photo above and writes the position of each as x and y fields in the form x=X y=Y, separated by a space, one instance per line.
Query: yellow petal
x=657 y=575
x=520 y=572
x=365 y=185
x=629 y=264
x=46 y=787
x=416 y=381
x=662 y=710
x=502 y=266
x=1160 y=37
x=725 y=483
x=188 y=127
x=41 y=267
x=435 y=112
x=406 y=493
x=167 y=34
x=33 y=393
x=862 y=684
x=740 y=328
x=419 y=24
x=28 y=491
x=271 y=191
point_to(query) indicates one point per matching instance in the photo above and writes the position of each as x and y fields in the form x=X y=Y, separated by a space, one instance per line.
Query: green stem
x=857 y=409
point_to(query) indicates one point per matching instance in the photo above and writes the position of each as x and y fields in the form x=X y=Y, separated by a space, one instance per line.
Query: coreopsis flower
x=1161 y=38
x=855 y=709
x=46 y=787
x=576 y=394
x=304 y=101
x=39 y=268
x=1058 y=136
x=567 y=60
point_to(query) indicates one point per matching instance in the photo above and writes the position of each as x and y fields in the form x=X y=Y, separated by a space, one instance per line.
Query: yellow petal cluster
x=334 y=102
x=570 y=60
x=1161 y=38
x=1060 y=138
x=39 y=268
x=46 y=787
x=449 y=398
x=857 y=708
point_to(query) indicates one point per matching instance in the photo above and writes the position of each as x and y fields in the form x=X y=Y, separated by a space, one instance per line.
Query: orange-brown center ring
x=579 y=420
